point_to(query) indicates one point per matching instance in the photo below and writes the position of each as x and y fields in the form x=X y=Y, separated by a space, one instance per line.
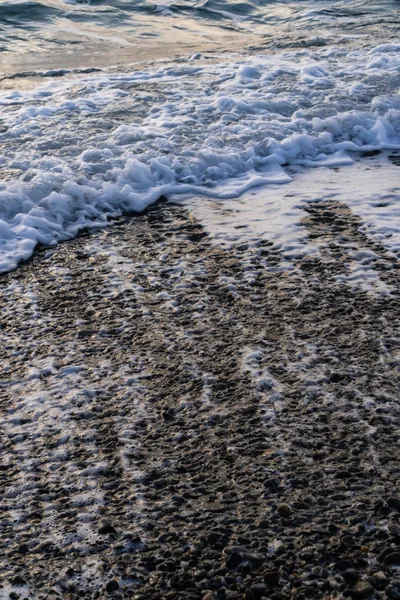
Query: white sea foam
x=369 y=187
x=77 y=152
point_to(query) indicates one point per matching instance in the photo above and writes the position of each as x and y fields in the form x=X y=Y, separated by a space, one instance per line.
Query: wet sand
x=185 y=420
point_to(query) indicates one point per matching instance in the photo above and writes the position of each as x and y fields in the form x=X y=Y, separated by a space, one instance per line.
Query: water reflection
x=97 y=27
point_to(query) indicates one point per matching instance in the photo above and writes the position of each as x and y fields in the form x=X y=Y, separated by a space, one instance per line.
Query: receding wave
x=76 y=153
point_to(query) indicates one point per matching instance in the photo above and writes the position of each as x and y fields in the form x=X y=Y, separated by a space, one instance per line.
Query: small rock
x=379 y=580
x=363 y=589
x=394 y=503
x=233 y=560
x=306 y=555
x=18 y=580
x=259 y=590
x=384 y=553
x=343 y=475
x=284 y=511
x=249 y=595
x=214 y=537
x=347 y=540
x=208 y=596
x=106 y=529
x=392 y=559
x=112 y=586
x=231 y=595
x=272 y=577
x=350 y=577
x=344 y=565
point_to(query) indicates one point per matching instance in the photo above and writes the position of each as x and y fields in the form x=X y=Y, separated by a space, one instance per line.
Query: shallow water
x=94 y=32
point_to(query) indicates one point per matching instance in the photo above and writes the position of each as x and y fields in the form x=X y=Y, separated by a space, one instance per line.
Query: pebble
x=18 y=580
x=363 y=589
x=112 y=586
x=107 y=529
x=379 y=579
x=392 y=559
x=272 y=577
x=394 y=503
x=233 y=560
x=347 y=540
x=344 y=565
x=259 y=590
x=350 y=577
x=284 y=510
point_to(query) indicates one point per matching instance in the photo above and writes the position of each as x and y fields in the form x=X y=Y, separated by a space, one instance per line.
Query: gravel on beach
x=186 y=421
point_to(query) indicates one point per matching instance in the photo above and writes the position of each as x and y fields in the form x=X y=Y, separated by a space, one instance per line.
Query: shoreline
x=183 y=420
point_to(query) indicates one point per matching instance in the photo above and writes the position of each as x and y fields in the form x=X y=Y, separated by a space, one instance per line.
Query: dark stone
x=306 y=556
x=343 y=475
x=394 y=503
x=112 y=586
x=272 y=484
x=18 y=580
x=392 y=559
x=344 y=565
x=106 y=529
x=384 y=553
x=217 y=539
x=284 y=511
x=233 y=560
x=350 y=577
x=259 y=590
x=370 y=153
x=272 y=577
x=384 y=511
x=347 y=540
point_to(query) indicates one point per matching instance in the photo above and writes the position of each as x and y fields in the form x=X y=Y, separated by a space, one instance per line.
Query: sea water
x=255 y=93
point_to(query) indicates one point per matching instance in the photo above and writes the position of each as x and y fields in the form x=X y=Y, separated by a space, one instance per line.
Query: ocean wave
x=76 y=153
x=263 y=16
